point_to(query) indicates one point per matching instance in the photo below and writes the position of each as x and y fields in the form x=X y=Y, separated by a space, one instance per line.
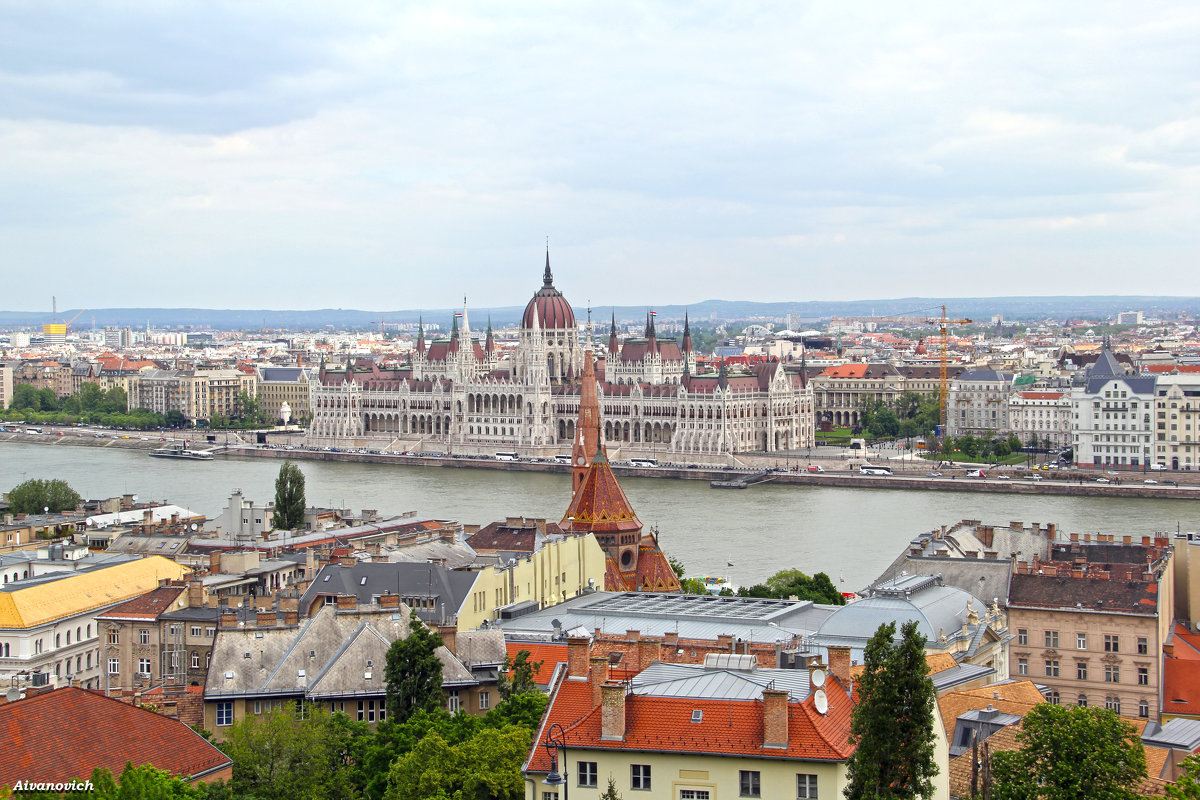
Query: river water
x=848 y=533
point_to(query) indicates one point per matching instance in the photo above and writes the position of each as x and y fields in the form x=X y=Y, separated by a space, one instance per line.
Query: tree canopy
x=523 y=672
x=1070 y=752
x=413 y=672
x=289 y=497
x=35 y=495
x=794 y=583
x=892 y=725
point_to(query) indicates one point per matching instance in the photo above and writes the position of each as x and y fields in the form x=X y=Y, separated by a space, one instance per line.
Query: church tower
x=587 y=437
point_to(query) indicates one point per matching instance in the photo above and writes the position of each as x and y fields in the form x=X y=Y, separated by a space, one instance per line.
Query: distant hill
x=977 y=308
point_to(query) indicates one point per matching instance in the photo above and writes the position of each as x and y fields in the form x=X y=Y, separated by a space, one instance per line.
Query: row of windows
x=749 y=782
x=1112 y=641
x=1112 y=672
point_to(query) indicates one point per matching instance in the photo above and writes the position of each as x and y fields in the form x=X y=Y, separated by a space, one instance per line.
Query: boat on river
x=182 y=451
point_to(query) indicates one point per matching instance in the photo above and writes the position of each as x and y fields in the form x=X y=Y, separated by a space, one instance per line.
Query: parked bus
x=643 y=462
x=872 y=469
x=507 y=457
x=561 y=459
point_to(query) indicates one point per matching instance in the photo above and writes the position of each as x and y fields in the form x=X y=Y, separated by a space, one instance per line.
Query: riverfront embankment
x=908 y=475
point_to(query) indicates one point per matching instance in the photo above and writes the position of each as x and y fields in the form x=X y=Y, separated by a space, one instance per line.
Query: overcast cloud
x=398 y=155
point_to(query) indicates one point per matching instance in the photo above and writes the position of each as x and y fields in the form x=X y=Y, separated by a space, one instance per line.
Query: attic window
x=312 y=653
x=698 y=715
x=367 y=675
x=228 y=676
x=245 y=655
x=363 y=581
x=258 y=635
x=299 y=673
x=327 y=577
x=370 y=663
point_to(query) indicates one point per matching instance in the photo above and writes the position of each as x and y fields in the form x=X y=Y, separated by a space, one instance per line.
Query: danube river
x=848 y=533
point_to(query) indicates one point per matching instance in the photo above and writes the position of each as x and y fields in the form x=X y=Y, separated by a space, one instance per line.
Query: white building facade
x=1113 y=416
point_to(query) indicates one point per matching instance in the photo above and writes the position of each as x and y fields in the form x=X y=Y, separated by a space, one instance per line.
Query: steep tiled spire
x=687 y=334
x=421 y=335
x=489 y=344
x=547 y=276
x=612 y=335
x=587 y=441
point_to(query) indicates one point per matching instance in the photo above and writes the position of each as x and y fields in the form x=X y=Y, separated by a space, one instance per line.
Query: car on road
x=1149 y=480
x=1158 y=467
x=1035 y=477
x=1002 y=477
x=815 y=468
x=976 y=473
x=1103 y=480
x=933 y=474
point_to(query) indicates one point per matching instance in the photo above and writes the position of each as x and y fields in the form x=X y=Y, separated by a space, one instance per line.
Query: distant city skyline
x=291 y=156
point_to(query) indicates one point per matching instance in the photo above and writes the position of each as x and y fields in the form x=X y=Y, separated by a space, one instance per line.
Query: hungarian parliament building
x=459 y=396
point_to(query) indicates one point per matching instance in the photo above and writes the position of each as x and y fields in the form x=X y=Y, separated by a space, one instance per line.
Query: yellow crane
x=943 y=357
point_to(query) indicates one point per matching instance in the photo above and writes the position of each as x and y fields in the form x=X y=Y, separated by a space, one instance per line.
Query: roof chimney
x=578 y=651
x=839 y=663
x=775 y=718
x=612 y=713
x=597 y=677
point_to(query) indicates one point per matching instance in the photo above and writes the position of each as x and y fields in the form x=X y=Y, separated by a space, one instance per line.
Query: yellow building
x=723 y=729
x=561 y=569
x=49 y=627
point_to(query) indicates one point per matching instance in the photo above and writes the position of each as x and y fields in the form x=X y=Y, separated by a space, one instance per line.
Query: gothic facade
x=459 y=395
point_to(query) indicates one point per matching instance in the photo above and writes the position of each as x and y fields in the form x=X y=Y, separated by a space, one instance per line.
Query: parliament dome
x=553 y=310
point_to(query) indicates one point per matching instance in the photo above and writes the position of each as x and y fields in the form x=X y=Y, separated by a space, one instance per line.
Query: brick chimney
x=579 y=649
x=265 y=619
x=389 y=601
x=632 y=635
x=347 y=602
x=195 y=593
x=228 y=619
x=775 y=718
x=214 y=561
x=597 y=677
x=839 y=663
x=725 y=641
x=648 y=651
x=291 y=618
x=447 y=633
x=612 y=712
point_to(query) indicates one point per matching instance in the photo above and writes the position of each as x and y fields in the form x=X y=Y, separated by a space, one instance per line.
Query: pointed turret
x=722 y=375
x=489 y=344
x=421 y=335
x=454 y=335
x=547 y=276
x=687 y=334
x=612 y=335
x=651 y=337
x=587 y=441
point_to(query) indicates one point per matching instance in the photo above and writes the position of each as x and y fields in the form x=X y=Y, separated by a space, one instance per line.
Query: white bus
x=561 y=459
x=643 y=462
x=507 y=457
x=872 y=469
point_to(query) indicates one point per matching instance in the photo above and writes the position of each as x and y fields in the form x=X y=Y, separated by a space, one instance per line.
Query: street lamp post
x=556 y=744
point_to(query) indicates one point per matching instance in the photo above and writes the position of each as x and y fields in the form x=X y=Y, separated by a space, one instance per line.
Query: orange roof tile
x=728 y=727
x=600 y=504
x=65 y=734
x=550 y=656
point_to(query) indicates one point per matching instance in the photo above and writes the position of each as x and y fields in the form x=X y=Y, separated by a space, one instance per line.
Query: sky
x=387 y=155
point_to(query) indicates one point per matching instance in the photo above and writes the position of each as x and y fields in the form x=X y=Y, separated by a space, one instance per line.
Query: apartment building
x=1112 y=416
x=1042 y=416
x=276 y=386
x=1177 y=421
x=978 y=403
x=1091 y=622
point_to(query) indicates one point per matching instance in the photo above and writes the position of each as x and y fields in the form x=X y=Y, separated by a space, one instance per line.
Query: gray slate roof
x=1179 y=734
x=326 y=656
x=368 y=580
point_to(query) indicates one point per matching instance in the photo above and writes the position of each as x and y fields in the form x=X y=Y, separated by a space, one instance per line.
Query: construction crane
x=943 y=357
x=381 y=323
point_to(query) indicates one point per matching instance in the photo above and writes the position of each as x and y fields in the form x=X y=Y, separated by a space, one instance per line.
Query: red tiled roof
x=550 y=656
x=846 y=371
x=600 y=505
x=1041 y=395
x=65 y=734
x=728 y=727
x=146 y=606
x=1181 y=674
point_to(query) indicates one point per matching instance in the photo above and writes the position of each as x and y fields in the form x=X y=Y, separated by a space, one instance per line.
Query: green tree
x=142 y=783
x=25 y=396
x=1070 y=752
x=413 y=672
x=611 y=792
x=35 y=495
x=284 y=754
x=289 y=497
x=794 y=583
x=175 y=419
x=522 y=672
x=892 y=725
x=487 y=766
x=676 y=566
